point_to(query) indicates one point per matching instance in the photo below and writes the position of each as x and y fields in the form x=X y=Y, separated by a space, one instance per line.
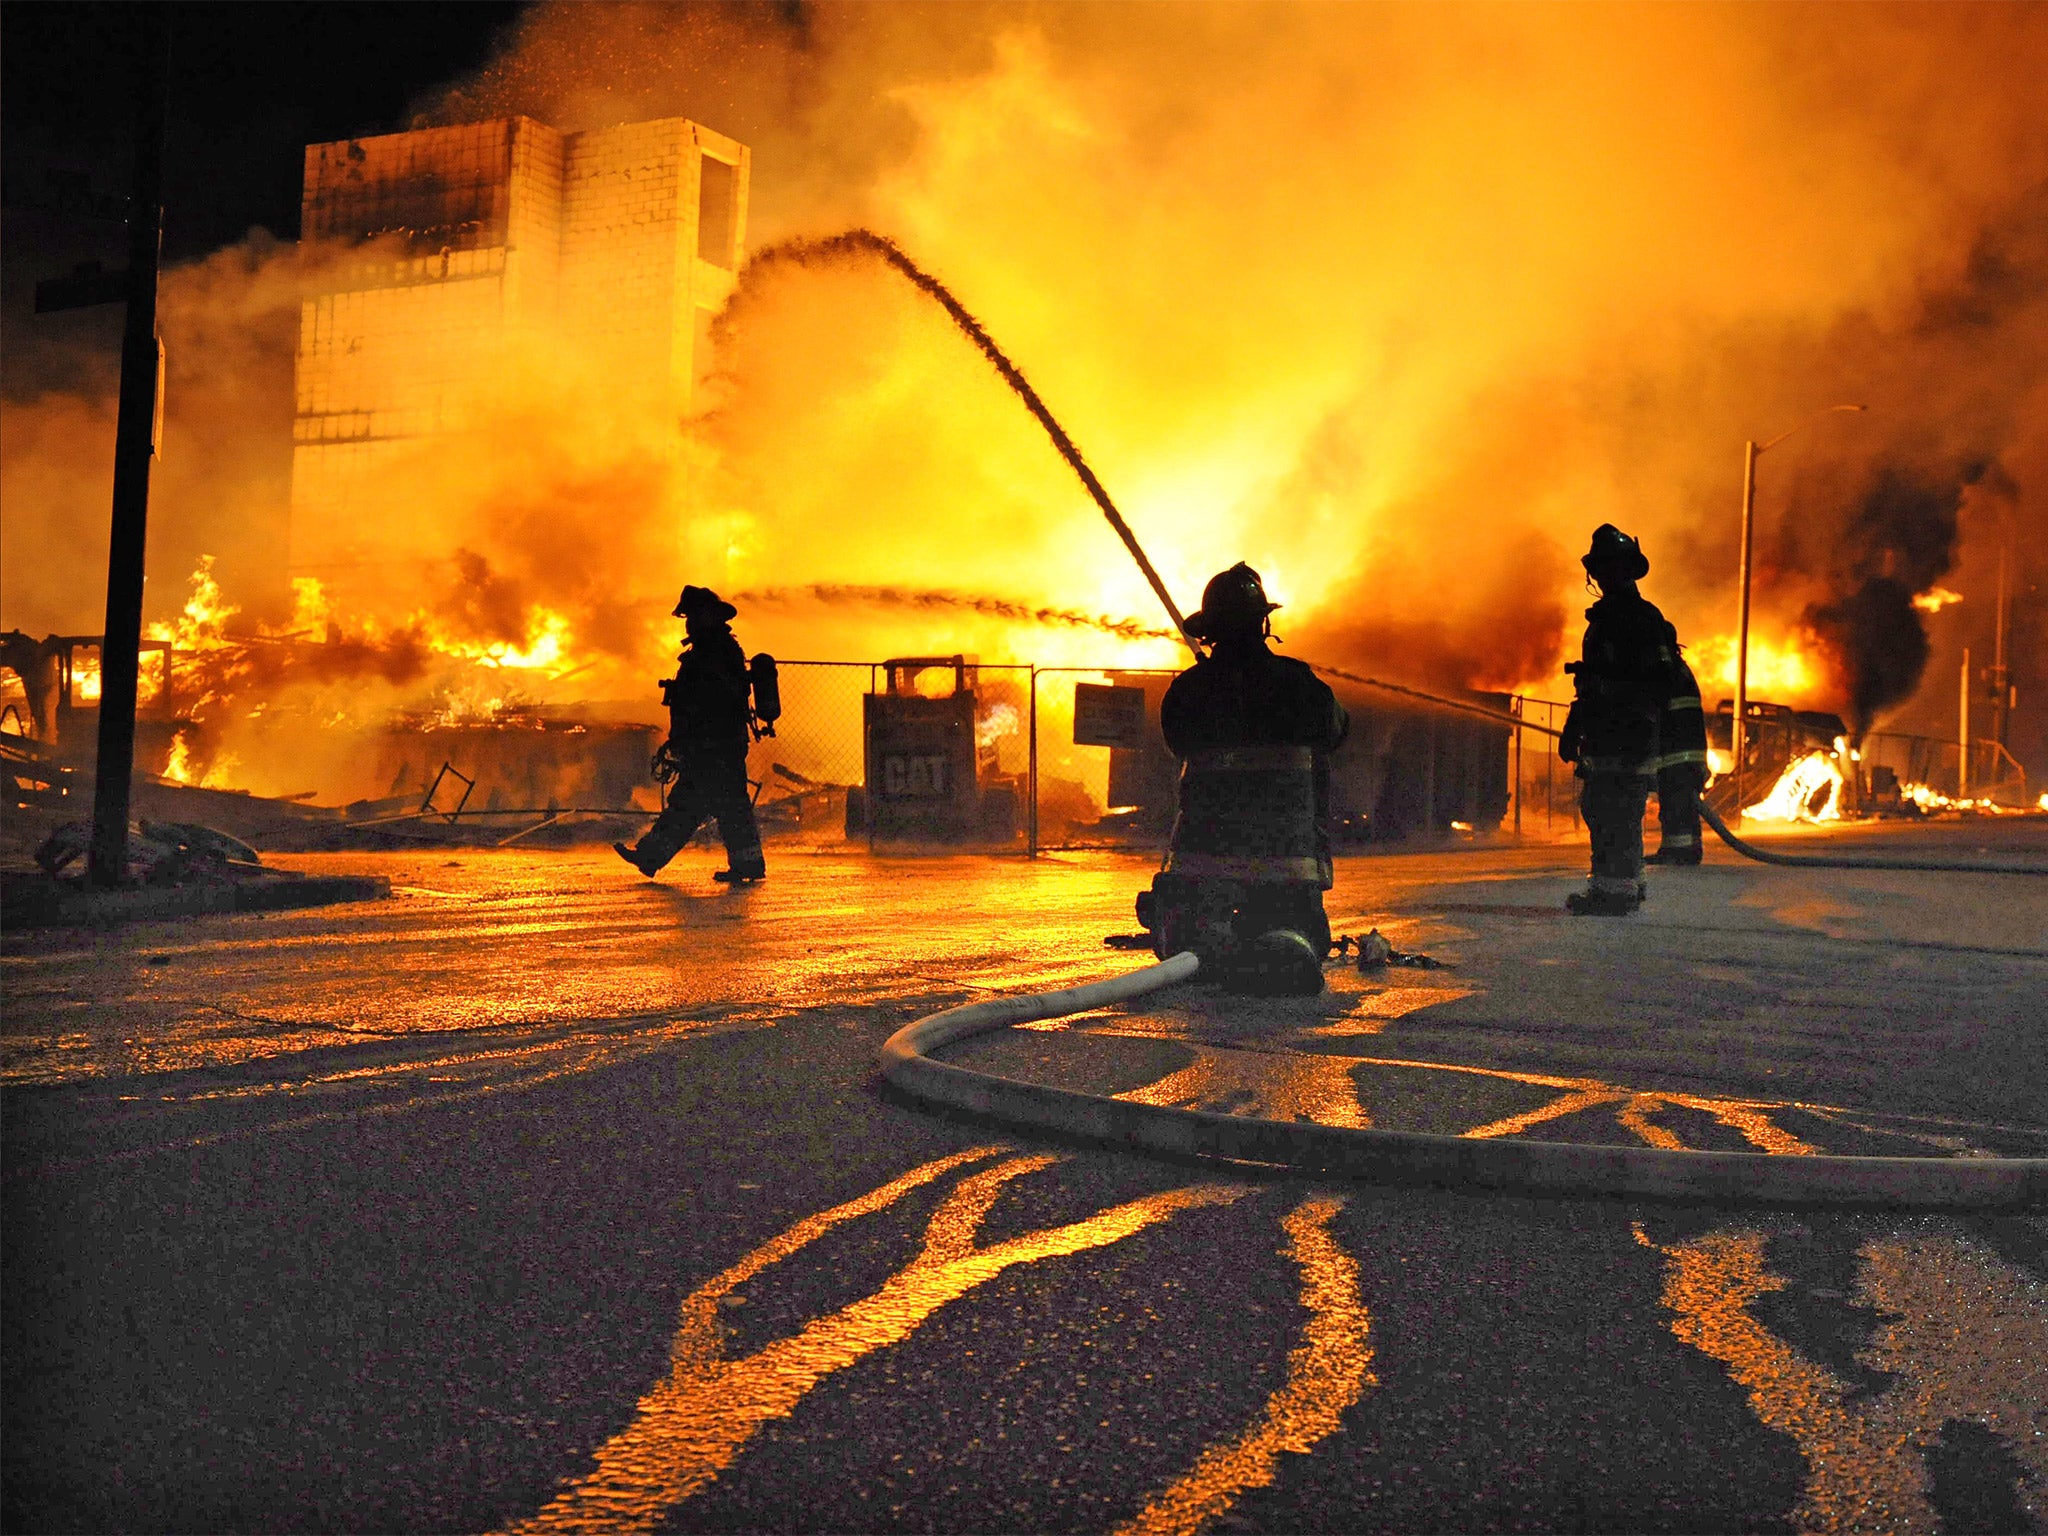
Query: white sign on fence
x=1108 y=717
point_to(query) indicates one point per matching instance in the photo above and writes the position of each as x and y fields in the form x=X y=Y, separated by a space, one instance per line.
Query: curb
x=1414 y=1157
x=43 y=906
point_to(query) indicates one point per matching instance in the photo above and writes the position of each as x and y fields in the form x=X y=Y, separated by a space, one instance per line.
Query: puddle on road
x=695 y=1421
x=1964 y=1338
x=1266 y=1058
x=1295 y=1087
x=1326 y=1373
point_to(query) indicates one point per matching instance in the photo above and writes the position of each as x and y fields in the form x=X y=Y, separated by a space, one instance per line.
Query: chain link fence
x=1545 y=797
x=949 y=751
x=808 y=768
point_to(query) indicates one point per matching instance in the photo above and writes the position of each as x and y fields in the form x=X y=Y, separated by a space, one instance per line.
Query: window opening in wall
x=717 y=186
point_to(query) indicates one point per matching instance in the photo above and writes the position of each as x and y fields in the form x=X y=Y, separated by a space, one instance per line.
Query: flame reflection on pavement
x=1326 y=1373
x=1966 y=1338
x=694 y=1422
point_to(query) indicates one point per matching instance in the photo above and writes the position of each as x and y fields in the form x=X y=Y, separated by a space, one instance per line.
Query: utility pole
x=1963 y=733
x=134 y=447
x=1738 y=729
x=1738 y=737
x=2001 y=679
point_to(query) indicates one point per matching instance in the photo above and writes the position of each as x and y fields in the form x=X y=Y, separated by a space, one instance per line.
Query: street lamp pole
x=1738 y=738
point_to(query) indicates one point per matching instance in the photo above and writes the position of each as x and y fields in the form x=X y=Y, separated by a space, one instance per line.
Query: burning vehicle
x=1797 y=763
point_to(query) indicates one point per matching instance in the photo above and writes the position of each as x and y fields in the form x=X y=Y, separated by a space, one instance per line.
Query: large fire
x=1785 y=670
x=1400 y=337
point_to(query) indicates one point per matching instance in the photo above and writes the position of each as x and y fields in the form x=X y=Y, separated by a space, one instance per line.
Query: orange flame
x=1785 y=671
x=1934 y=599
x=1809 y=790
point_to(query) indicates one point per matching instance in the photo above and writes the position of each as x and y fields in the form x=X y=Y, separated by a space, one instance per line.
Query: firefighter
x=1250 y=860
x=1681 y=767
x=1626 y=675
x=706 y=750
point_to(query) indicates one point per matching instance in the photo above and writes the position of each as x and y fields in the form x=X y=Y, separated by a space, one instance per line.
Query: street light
x=1739 y=729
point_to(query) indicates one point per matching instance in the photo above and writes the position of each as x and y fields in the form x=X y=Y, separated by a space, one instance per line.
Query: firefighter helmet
x=1614 y=553
x=1234 y=600
x=703 y=603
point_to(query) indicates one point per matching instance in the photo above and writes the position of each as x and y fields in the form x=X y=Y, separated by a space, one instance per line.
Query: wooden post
x=134 y=447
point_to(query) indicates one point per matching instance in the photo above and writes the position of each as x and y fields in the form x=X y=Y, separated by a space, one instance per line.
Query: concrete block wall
x=475 y=240
x=625 y=197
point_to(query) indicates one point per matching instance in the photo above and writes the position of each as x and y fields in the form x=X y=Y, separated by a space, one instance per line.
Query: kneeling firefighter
x=1627 y=675
x=705 y=756
x=1250 y=858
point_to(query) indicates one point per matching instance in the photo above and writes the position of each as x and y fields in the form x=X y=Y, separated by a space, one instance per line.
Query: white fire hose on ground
x=1412 y=1157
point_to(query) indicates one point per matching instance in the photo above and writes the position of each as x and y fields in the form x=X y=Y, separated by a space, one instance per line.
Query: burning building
x=467 y=246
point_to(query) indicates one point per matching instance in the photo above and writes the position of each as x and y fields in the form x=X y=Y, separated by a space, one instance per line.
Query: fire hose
x=1410 y=1157
x=1750 y=850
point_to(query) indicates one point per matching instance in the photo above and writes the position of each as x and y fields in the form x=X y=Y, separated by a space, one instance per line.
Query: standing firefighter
x=1244 y=881
x=710 y=722
x=1681 y=768
x=1627 y=675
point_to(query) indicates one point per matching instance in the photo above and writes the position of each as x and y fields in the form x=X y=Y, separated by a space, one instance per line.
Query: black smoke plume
x=1900 y=540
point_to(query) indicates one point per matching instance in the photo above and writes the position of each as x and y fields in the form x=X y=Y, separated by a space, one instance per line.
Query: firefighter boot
x=632 y=856
x=1602 y=903
x=1680 y=857
x=741 y=876
x=1278 y=963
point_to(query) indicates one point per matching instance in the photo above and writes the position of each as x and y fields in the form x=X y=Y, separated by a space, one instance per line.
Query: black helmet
x=1234 y=600
x=703 y=603
x=1614 y=553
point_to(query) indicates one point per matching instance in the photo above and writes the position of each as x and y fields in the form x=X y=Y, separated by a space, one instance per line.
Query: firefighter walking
x=1627 y=676
x=711 y=722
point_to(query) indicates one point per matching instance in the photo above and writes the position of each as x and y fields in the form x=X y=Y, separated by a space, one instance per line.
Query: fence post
x=1518 y=772
x=868 y=802
x=1429 y=775
x=1031 y=822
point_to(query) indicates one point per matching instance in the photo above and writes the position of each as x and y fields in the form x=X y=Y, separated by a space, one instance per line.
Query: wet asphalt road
x=542 y=1197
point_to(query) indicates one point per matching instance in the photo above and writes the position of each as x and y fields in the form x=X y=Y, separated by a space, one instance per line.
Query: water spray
x=972 y=602
x=865 y=242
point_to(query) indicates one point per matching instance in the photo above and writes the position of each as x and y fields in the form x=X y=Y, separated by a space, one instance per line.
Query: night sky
x=251 y=84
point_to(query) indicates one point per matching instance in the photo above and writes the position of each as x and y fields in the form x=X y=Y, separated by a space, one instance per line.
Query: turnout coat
x=1629 y=674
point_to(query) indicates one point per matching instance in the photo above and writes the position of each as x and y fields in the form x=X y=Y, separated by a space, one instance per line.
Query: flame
x=202 y=624
x=1000 y=721
x=178 y=766
x=546 y=645
x=1934 y=599
x=1783 y=670
x=1927 y=798
x=1809 y=790
x=85 y=678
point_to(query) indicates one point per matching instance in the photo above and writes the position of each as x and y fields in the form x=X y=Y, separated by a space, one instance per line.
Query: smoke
x=1397 y=303
x=1900 y=540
